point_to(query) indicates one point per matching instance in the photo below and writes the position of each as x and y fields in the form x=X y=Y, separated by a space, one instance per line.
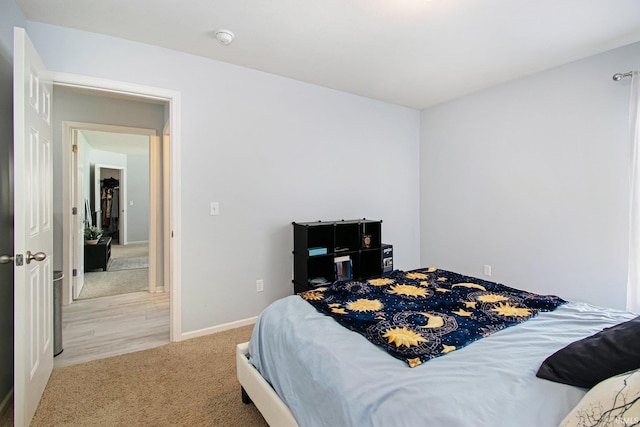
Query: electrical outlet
x=487 y=270
x=259 y=285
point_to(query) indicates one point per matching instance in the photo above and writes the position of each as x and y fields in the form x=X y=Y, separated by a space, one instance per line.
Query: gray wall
x=138 y=193
x=137 y=168
x=531 y=177
x=9 y=17
x=71 y=105
x=270 y=150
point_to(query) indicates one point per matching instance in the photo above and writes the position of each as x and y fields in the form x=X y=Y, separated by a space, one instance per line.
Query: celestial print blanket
x=425 y=313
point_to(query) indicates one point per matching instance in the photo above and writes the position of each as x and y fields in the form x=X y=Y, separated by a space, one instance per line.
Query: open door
x=81 y=215
x=33 y=283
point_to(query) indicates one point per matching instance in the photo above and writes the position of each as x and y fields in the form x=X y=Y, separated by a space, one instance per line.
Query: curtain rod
x=619 y=76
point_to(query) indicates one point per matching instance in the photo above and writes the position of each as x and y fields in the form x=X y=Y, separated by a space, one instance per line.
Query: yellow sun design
x=408 y=290
x=363 y=304
x=414 y=362
x=431 y=269
x=447 y=348
x=470 y=304
x=506 y=309
x=442 y=279
x=380 y=282
x=335 y=304
x=339 y=310
x=403 y=336
x=470 y=285
x=417 y=276
x=462 y=312
x=492 y=298
x=311 y=295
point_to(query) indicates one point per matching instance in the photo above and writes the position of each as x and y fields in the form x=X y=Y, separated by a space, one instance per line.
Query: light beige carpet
x=190 y=383
x=105 y=283
x=132 y=263
x=130 y=250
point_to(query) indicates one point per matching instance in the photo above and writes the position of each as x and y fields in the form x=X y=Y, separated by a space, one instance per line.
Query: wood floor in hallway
x=103 y=327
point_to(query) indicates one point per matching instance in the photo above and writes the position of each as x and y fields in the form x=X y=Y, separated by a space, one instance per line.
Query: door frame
x=70 y=293
x=173 y=221
x=122 y=197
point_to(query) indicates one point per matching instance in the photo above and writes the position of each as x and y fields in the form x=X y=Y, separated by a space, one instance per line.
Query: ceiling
x=415 y=53
x=117 y=142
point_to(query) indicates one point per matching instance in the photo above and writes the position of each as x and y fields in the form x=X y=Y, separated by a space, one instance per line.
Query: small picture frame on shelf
x=366 y=241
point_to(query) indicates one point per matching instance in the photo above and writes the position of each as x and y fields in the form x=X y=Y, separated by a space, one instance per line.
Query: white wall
x=270 y=150
x=531 y=177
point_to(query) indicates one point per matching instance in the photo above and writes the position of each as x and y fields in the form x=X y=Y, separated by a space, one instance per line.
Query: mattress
x=330 y=376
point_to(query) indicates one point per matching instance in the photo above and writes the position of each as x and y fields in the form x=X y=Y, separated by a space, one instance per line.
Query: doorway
x=114 y=180
x=161 y=190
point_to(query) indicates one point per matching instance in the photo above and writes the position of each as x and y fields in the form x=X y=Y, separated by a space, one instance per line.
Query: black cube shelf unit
x=318 y=245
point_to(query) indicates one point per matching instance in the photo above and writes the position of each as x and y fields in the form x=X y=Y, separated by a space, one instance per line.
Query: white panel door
x=33 y=279
x=81 y=219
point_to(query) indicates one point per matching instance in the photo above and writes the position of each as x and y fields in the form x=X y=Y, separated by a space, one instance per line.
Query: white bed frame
x=257 y=390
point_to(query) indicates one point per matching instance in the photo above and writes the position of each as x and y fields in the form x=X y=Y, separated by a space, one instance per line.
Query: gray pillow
x=586 y=362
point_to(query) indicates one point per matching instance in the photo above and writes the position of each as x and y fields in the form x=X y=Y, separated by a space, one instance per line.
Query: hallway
x=132 y=276
x=103 y=327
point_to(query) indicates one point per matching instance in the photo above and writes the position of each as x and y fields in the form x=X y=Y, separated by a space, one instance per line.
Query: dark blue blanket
x=425 y=313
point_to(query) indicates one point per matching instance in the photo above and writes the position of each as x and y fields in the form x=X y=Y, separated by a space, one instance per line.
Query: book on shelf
x=317 y=251
x=343 y=267
x=319 y=281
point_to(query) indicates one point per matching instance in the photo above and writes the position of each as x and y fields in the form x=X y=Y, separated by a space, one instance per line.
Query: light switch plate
x=214 y=208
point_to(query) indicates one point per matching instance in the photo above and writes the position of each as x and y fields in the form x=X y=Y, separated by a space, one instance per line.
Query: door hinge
x=74 y=148
x=74 y=211
x=74 y=272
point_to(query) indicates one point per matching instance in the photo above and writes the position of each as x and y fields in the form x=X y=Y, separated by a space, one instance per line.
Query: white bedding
x=330 y=376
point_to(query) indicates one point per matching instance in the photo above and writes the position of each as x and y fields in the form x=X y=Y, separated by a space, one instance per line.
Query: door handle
x=38 y=256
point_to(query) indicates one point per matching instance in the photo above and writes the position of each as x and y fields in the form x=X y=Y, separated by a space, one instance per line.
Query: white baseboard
x=6 y=402
x=218 y=328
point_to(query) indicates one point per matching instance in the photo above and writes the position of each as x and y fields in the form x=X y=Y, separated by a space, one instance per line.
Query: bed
x=304 y=368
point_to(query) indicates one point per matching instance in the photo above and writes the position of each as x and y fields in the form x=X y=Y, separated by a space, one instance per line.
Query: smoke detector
x=225 y=37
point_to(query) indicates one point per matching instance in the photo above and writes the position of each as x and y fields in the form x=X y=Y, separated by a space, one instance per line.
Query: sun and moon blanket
x=422 y=314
